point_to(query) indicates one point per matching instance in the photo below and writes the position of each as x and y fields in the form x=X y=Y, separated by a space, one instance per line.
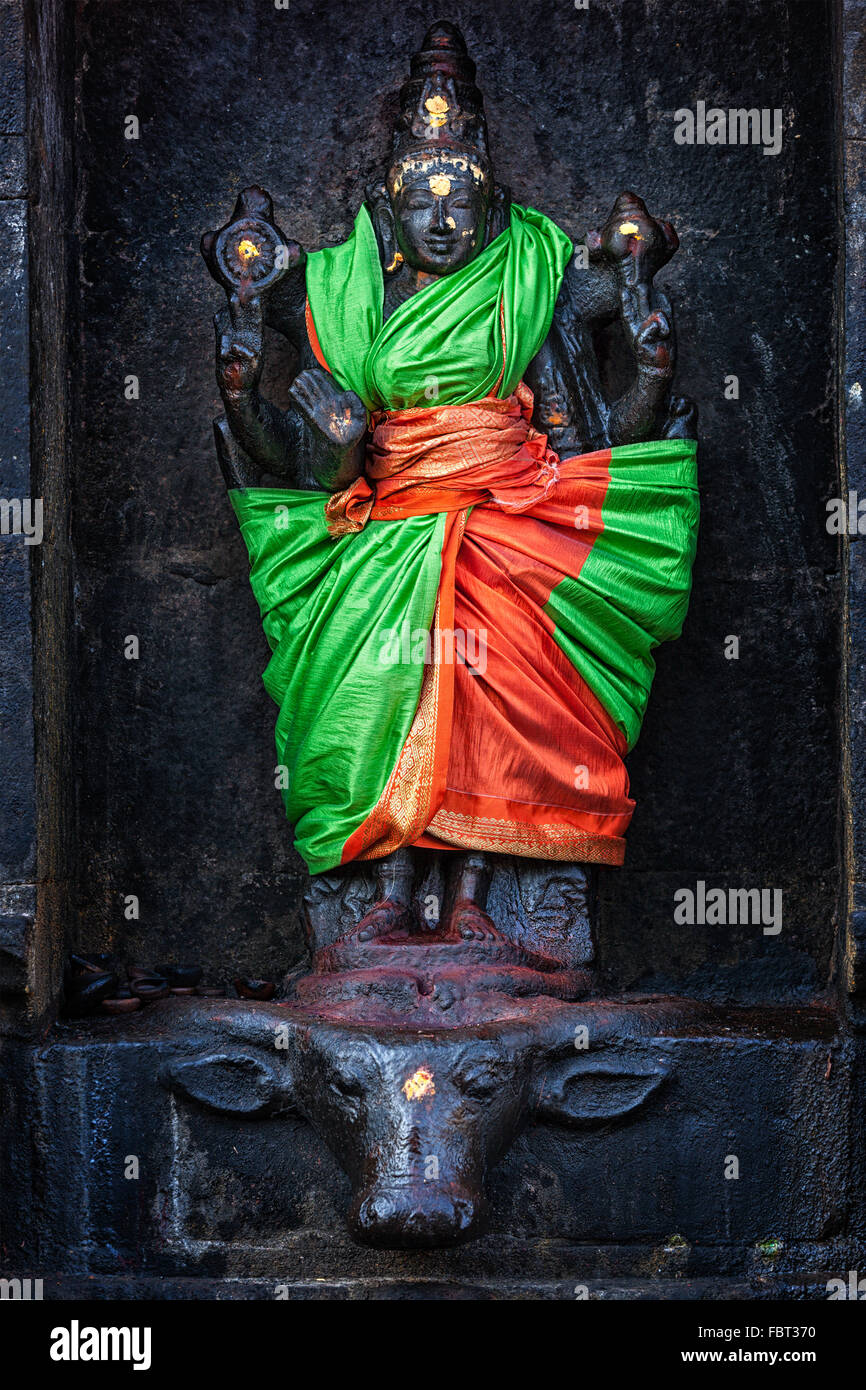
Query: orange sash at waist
x=444 y=458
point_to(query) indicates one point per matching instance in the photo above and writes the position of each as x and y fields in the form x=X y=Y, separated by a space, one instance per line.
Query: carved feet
x=469 y=923
x=396 y=921
x=385 y=918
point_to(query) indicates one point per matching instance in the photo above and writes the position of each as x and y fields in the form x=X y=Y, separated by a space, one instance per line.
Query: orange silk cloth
x=445 y=458
x=510 y=749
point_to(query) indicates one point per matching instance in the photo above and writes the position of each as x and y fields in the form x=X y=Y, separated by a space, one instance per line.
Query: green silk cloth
x=331 y=612
x=444 y=345
x=335 y=610
x=329 y=606
x=633 y=591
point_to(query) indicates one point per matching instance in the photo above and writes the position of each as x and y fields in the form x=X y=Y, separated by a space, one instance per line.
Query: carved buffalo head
x=417 y=1120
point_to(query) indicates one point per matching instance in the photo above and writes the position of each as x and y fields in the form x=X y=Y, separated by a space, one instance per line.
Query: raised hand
x=239 y=346
x=653 y=345
x=340 y=415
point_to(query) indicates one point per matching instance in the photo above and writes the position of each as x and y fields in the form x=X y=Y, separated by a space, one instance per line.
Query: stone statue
x=463 y=554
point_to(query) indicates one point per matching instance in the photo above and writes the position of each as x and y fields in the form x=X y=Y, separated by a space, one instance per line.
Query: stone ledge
x=69 y=1288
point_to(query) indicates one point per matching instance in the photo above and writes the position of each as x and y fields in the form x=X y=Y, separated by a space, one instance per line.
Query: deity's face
x=440 y=211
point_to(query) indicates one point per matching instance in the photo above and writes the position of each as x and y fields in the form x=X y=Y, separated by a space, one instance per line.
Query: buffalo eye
x=479 y=1082
x=347 y=1086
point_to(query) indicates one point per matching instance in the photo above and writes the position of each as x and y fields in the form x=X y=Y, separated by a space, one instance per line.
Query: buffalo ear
x=232 y=1083
x=590 y=1090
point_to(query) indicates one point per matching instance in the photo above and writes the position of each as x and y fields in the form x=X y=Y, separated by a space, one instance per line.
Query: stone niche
x=155 y=777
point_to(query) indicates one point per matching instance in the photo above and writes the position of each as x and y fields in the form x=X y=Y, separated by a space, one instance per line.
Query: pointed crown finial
x=441 y=108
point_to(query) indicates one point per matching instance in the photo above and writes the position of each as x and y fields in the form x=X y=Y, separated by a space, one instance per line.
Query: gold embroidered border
x=400 y=815
x=397 y=509
x=549 y=841
x=337 y=519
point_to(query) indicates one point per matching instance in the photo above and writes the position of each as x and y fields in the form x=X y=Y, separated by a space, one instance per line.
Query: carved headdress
x=441 y=110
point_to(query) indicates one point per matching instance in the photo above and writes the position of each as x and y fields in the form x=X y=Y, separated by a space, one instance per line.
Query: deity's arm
x=612 y=280
x=269 y=437
x=285 y=310
x=334 y=427
x=590 y=292
x=649 y=409
x=570 y=406
x=319 y=440
x=641 y=411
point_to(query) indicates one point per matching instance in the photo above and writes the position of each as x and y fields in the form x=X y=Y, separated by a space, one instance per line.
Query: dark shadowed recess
x=736 y=772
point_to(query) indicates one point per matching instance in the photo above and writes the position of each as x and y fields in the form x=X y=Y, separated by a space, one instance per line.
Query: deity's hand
x=239 y=346
x=633 y=243
x=653 y=346
x=340 y=415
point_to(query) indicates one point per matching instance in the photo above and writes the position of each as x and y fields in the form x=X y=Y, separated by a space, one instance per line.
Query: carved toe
x=386 y=918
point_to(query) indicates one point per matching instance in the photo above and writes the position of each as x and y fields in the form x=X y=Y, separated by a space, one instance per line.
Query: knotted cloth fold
x=447 y=458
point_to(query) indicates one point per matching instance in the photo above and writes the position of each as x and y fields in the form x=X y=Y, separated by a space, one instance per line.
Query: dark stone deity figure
x=464 y=554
